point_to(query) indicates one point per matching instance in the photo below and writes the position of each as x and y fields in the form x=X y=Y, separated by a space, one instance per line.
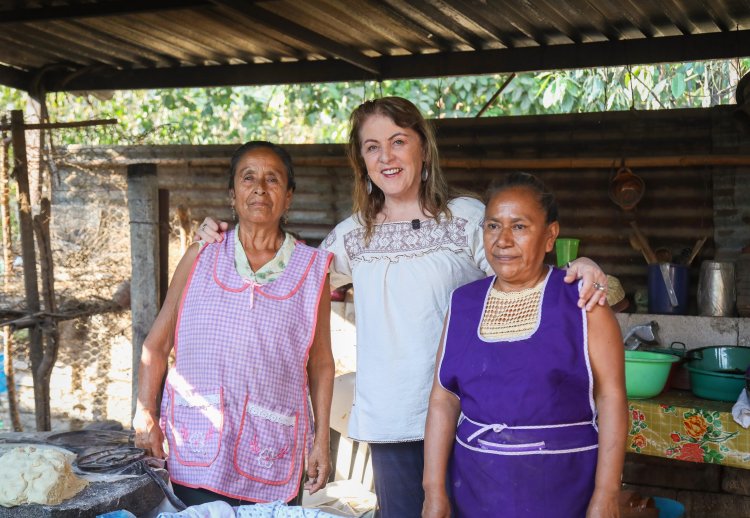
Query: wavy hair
x=434 y=193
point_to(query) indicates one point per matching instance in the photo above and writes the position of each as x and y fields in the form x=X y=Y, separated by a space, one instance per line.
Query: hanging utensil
x=625 y=188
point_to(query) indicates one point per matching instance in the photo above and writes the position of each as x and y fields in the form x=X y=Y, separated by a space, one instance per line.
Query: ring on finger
x=600 y=287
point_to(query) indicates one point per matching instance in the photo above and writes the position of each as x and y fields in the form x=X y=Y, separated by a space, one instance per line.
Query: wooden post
x=28 y=253
x=163 y=244
x=8 y=353
x=5 y=201
x=143 y=199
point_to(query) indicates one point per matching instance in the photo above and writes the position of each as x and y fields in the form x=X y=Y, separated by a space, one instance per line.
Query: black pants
x=397 y=469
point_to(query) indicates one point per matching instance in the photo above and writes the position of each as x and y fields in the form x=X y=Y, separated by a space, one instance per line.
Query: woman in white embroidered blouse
x=410 y=241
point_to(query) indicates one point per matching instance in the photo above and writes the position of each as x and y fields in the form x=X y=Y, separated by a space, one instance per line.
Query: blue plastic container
x=669 y=508
x=3 y=381
x=122 y=513
x=658 y=298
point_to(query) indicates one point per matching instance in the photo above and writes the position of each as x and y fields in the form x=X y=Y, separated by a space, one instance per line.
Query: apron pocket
x=266 y=448
x=495 y=446
x=196 y=424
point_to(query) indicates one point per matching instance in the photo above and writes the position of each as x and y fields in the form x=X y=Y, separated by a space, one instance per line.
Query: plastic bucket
x=3 y=381
x=669 y=508
x=658 y=296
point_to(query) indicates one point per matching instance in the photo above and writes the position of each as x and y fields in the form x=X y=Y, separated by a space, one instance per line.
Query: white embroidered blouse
x=402 y=285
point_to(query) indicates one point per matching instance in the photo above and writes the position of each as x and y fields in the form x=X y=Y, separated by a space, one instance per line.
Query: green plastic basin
x=646 y=373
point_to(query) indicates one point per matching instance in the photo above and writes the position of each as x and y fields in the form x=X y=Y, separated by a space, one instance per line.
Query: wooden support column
x=164 y=232
x=8 y=353
x=25 y=220
x=143 y=200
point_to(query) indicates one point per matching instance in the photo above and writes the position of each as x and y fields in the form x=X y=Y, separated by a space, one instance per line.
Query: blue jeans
x=397 y=469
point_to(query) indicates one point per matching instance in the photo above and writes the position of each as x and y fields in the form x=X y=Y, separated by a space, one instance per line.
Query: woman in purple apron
x=527 y=415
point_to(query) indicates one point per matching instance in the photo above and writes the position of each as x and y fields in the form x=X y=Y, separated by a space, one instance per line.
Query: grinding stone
x=138 y=495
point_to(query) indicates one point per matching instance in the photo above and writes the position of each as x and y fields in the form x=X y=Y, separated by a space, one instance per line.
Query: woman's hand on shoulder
x=594 y=289
x=212 y=231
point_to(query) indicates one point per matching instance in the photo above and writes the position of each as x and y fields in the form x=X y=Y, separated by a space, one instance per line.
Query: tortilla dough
x=32 y=475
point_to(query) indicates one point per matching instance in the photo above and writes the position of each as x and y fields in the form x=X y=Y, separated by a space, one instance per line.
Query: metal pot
x=728 y=359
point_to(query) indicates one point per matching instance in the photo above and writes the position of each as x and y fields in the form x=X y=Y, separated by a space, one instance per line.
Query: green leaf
x=678 y=85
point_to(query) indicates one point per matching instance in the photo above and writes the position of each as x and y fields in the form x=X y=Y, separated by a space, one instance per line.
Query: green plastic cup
x=566 y=249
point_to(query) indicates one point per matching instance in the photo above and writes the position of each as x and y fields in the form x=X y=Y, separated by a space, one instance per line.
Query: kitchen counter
x=678 y=425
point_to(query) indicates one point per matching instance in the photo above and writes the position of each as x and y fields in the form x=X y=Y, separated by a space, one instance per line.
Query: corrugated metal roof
x=49 y=45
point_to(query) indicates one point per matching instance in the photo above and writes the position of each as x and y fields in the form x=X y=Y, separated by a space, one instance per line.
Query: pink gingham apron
x=235 y=407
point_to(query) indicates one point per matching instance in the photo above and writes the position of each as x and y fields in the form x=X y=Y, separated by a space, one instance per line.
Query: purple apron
x=526 y=441
x=235 y=408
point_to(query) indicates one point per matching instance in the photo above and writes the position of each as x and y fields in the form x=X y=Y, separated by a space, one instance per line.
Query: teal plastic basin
x=719 y=386
x=669 y=508
x=646 y=373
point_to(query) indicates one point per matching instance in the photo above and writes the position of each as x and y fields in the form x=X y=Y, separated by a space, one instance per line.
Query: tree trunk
x=49 y=328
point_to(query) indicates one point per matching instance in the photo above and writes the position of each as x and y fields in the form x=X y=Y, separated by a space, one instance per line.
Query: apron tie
x=253 y=285
x=495 y=427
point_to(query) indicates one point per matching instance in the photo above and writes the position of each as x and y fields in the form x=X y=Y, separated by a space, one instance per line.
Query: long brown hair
x=434 y=193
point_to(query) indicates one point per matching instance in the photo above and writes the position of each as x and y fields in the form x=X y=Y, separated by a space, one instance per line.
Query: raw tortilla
x=32 y=475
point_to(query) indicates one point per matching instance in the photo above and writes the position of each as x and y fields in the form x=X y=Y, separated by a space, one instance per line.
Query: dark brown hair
x=544 y=196
x=274 y=148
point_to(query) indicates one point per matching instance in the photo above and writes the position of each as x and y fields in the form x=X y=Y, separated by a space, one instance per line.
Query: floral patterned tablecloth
x=678 y=425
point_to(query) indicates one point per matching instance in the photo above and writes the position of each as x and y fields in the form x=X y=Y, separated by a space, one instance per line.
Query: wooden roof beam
x=302 y=34
x=15 y=78
x=553 y=57
x=93 y=10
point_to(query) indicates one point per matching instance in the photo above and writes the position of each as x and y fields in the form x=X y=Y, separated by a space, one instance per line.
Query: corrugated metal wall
x=676 y=209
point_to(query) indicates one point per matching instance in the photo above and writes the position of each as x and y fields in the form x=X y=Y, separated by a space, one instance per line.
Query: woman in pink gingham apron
x=249 y=322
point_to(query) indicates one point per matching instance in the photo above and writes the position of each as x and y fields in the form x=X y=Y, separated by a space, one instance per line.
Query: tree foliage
x=304 y=113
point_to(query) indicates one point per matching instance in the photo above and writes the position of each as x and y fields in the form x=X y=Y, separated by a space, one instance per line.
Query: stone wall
x=706 y=490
